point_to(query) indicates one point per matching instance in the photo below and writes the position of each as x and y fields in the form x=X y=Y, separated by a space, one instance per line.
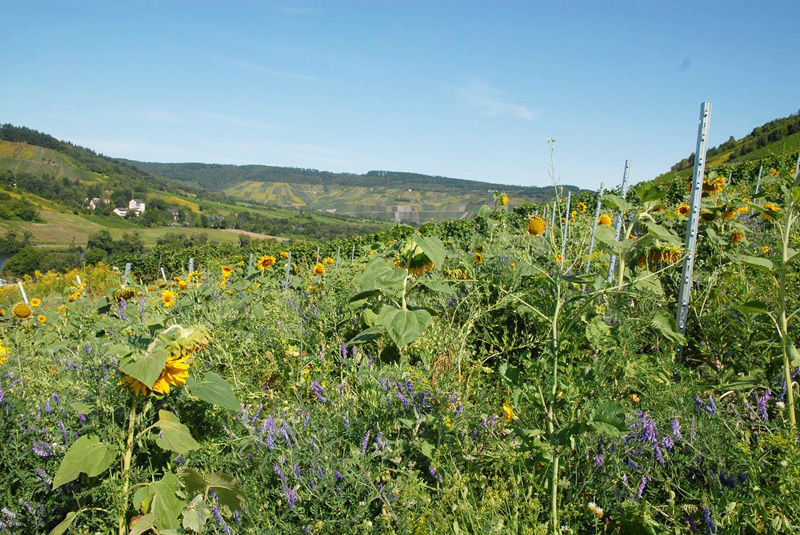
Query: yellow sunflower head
x=582 y=207
x=604 y=220
x=135 y=386
x=536 y=226
x=226 y=271
x=266 y=262
x=504 y=199
x=508 y=412
x=770 y=210
x=169 y=298
x=478 y=258
x=35 y=302
x=736 y=237
x=683 y=210
x=329 y=261
x=773 y=172
x=22 y=311
x=41 y=318
x=319 y=269
x=765 y=249
x=175 y=372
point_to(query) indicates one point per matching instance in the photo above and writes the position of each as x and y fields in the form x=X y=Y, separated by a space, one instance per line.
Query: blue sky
x=462 y=89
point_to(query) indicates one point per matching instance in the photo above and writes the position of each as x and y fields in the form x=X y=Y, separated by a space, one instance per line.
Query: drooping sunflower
x=573 y=214
x=770 y=210
x=35 y=302
x=604 y=220
x=284 y=255
x=329 y=261
x=175 y=372
x=195 y=277
x=765 y=249
x=169 y=298
x=134 y=385
x=319 y=269
x=266 y=262
x=683 y=210
x=22 y=311
x=226 y=271
x=536 y=226
x=478 y=259
x=736 y=237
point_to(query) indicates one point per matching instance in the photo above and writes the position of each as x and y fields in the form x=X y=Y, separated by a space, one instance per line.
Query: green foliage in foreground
x=469 y=378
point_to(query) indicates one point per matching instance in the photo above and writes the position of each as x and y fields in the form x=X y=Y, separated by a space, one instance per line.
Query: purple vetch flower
x=483 y=423
x=369 y=363
x=63 y=431
x=270 y=442
x=291 y=496
x=692 y=434
x=47 y=408
x=403 y=399
x=82 y=418
x=668 y=443
x=337 y=475
x=710 y=408
x=220 y=520
x=55 y=398
x=762 y=404
x=727 y=481
x=8 y=513
x=319 y=392
x=598 y=461
x=676 y=428
x=256 y=414
x=692 y=524
x=365 y=442
x=380 y=442
x=42 y=449
x=343 y=349
x=306 y=418
x=642 y=485
x=279 y=472
x=44 y=477
x=709 y=522
x=459 y=409
x=237 y=517
x=296 y=471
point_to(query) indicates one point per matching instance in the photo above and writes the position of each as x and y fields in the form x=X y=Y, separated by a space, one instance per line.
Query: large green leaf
x=144 y=524
x=165 y=502
x=404 y=326
x=433 y=248
x=196 y=515
x=663 y=233
x=215 y=390
x=599 y=335
x=667 y=327
x=756 y=262
x=380 y=275
x=616 y=202
x=174 y=435
x=146 y=367
x=609 y=418
x=754 y=307
x=192 y=480
x=648 y=192
x=229 y=492
x=366 y=336
x=64 y=525
x=86 y=455
x=437 y=286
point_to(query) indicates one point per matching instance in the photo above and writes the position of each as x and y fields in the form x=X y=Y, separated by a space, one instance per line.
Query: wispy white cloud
x=235 y=121
x=480 y=96
x=273 y=72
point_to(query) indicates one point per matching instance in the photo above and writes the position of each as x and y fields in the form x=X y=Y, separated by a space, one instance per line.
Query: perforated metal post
x=317 y=254
x=163 y=275
x=553 y=216
x=353 y=254
x=612 y=264
x=288 y=265
x=730 y=176
x=685 y=291
x=594 y=227
x=338 y=254
x=78 y=278
x=758 y=182
x=22 y=291
x=191 y=265
x=127 y=273
x=250 y=265
x=565 y=230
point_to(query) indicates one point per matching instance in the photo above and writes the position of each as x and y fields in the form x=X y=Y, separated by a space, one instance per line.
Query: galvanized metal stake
x=684 y=293
x=127 y=272
x=78 y=278
x=338 y=254
x=730 y=175
x=163 y=275
x=250 y=265
x=353 y=254
x=22 y=291
x=288 y=264
x=758 y=182
x=565 y=230
x=797 y=167
x=317 y=254
x=553 y=216
x=191 y=265
x=612 y=264
x=594 y=227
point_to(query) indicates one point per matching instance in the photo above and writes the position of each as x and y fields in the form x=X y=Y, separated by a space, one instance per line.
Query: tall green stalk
x=126 y=464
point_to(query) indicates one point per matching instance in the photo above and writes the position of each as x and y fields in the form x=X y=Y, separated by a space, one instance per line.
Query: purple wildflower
x=343 y=349
x=337 y=475
x=403 y=399
x=709 y=522
x=692 y=524
x=365 y=442
x=82 y=418
x=279 y=472
x=642 y=485
x=319 y=392
x=42 y=449
x=676 y=428
x=727 y=481
x=63 y=431
x=291 y=496
x=598 y=461
x=668 y=443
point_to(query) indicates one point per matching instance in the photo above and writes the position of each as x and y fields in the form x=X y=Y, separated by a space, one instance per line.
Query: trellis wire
x=694 y=215
x=613 y=262
x=22 y=291
x=565 y=231
x=594 y=227
x=758 y=182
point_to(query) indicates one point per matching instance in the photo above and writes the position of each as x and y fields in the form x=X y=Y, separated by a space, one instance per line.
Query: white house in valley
x=136 y=206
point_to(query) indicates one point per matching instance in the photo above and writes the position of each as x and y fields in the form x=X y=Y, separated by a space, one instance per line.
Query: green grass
x=789 y=144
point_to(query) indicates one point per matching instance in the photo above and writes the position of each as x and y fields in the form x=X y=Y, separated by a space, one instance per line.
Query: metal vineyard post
x=758 y=182
x=594 y=227
x=618 y=226
x=250 y=265
x=565 y=231
x=127 y=273
x=22 y=291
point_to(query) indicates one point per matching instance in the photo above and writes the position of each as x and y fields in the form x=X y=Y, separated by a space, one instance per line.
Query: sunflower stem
x=126 y=464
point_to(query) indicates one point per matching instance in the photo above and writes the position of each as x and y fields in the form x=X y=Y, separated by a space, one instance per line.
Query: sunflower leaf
x=146 y=367
x=404 y=326
x=64 y=525
x=215 y=390
x=228 y=491
x=174 y=435
x=86 y=455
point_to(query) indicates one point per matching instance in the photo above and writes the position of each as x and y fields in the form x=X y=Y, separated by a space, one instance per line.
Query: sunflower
x=175 y=372
x=773 y=172
x=503 y=199
x=573 y=214
x=134 y=385
x=736 y=237
x=683 y=210
x=582 y=207
x=765 y=249
x=182 y=284
x=224 y=281
x=508 y=412
x=604 y=220
x=536 y=226
x=35 y=302
x=226 y=271
x=319 y=269
x=22 y=311
x=558 y=258
x=3 y=352
x=329 y=261
x=478 y=258
x=195 y=277
x=41 y=318
x=284 y=255
x=169 y=298
x=770 y=210
x=266 y=262
x=311 y=288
